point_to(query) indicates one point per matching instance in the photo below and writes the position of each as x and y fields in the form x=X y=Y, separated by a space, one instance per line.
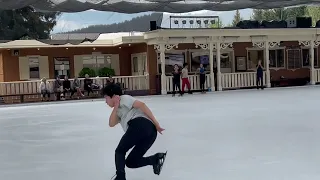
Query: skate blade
x=162 y=161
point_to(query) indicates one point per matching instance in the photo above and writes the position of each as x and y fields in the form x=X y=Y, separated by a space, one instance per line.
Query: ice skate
x=119 y=177
x=157 y=167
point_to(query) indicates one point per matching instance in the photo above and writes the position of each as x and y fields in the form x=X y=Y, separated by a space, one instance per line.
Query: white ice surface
x=234 y=135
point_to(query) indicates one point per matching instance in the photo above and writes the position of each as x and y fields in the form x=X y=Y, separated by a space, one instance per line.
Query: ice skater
x=202 y=72
x=140 y=127
x=185 y=79
x=176 y=80
x=260 y=75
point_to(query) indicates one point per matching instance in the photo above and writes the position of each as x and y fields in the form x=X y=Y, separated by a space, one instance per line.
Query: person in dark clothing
x=176 y=80
x=260 y=75
x=67 y=87
x=140 y=127
x=87 y=84
x=202 y=72
x=57 y=88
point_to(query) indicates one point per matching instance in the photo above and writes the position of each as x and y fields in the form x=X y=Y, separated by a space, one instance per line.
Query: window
x=203 y=57
x=253 y=57
x=294 y=58
x=276 y=58
x=170 y=60
x=197 y=58
x=61 y=67
x=96 y=61
x=34 y=69
x=225 y=60
x=305 y=57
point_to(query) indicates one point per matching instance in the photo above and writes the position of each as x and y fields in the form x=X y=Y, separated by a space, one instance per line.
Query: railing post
x=211 y=47
x=311 y=50
x=267 y=60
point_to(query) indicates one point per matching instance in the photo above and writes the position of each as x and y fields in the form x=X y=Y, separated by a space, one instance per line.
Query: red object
x=185 y=81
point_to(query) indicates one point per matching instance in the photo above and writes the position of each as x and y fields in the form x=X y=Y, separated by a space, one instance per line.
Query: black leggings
x=140 y=134
x=176 y=84
x=259 y=81
x=202 y=81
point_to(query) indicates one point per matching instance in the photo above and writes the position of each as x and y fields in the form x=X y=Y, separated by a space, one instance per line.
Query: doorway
x=138 y=64
x=61 y=67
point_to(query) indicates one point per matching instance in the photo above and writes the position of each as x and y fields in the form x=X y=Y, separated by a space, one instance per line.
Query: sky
x=72 y=21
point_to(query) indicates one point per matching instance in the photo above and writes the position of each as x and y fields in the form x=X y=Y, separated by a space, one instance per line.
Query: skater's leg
x=174 y=87
x=178 y=85
x=128 y=140
x=202 y=81
x=184 y=81
x=135 y=159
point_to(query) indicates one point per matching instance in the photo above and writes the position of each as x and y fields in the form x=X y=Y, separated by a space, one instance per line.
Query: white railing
x=194 y=82
x=317 y=75
x=240 y=80
x=32 y=87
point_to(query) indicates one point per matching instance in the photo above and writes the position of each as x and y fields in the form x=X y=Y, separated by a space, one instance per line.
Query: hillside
x=141 y=24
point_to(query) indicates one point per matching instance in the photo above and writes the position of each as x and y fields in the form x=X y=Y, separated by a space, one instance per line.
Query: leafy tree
x=314 y=12
x=26 y=23
x=279 y=13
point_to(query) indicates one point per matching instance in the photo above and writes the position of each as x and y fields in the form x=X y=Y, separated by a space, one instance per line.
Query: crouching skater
x=140 y=127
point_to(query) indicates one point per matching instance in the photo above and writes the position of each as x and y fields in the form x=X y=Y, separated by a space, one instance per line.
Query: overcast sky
x=72 y=21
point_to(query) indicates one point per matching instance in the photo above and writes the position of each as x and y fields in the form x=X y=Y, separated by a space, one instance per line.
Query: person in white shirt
x=44 y=89
x=140 y=127
x=185 y=79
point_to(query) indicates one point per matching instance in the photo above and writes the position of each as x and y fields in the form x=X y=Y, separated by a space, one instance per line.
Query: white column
x=267 y=63
x=163 y=69
x=211 y=45
x=311 y=59
x=218 y=47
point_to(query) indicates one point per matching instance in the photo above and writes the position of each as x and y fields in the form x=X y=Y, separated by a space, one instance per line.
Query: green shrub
x=88 y=71
x=106 y=72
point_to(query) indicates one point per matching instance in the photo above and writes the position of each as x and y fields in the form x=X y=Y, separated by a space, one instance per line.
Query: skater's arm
x=113 y=119
x=144 y=108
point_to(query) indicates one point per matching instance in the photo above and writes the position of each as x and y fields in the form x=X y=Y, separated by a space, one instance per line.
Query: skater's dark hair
x=111 y=90
x=185 y=64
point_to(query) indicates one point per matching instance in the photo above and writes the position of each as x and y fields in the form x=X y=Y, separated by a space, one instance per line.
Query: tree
x=314 y=12
x=218 y=24
x=236 y=18
x=26 y=23
x=279 y=14
x=257 y=15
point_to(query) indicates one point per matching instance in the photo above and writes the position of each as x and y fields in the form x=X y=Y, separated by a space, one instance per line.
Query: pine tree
x=236 y=18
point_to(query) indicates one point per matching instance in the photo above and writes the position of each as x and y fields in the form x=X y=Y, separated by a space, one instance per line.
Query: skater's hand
x=160 y=129
x=116 y=100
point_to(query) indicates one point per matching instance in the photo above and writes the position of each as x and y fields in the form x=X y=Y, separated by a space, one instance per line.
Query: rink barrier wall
x=240 y=80
x=130 y=83
x=194 y=82
x=317 y=75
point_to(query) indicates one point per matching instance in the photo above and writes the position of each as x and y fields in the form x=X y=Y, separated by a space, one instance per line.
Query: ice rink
x=232 y=135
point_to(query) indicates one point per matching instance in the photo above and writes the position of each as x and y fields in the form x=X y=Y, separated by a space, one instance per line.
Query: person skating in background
x=140 y=127
x=260 y=75
x=202 y=72
x=185 y=79
x=176 y=80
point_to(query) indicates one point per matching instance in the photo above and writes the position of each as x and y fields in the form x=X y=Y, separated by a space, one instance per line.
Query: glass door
x=61 y=67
